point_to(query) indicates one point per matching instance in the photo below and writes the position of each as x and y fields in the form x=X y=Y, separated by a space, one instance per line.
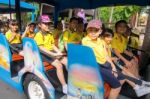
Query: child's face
x=80 y=28
x=44 y=27
x=93 y=33
x=14 y=27
x=60 y=26
x=73 y=24
x=108 y=39
x=121 y=28
x=32 y=28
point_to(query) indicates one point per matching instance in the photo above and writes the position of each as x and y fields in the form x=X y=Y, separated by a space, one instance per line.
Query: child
x=14 y=38
x=119 y=45
x=29 y=32
x=92 y=40
x=80 y=28
x=58 y=32
x=71 y=35
x=139 y=86
x=45 y=41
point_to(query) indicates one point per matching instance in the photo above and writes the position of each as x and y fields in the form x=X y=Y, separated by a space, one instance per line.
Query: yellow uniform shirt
x=71 y=37
x=98 y=48
x=56 y=33
x=119 y=43
x=134 y=42
x=30 y=35
x=16 y=40
x=47 y=41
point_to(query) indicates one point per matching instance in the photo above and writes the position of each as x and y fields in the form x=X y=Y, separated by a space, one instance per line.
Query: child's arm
x=122 y=58
x=129 y=53
x=111 y=62
x=25 y=32
x=12 y=38
x=48 y=52
x=56 y=49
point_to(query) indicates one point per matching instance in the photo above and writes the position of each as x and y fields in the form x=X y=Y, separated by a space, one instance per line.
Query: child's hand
x=128 y=64
x=57 y=54
x=114 y=71
x=115 y=59
x=27 y=28
x=60 y=53
x=14 y=34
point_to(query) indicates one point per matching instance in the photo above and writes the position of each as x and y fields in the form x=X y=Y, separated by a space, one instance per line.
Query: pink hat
x=95 y=24
x=44 y=19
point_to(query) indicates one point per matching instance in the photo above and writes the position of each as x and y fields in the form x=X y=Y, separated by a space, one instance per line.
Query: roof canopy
x=25 y=7
x=90 y=4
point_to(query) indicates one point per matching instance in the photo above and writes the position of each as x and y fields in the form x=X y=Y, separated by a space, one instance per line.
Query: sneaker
x=146 y=83
x=141 y=90
x=65 y=89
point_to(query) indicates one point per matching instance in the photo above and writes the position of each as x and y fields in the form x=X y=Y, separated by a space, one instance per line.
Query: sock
x=65 y=89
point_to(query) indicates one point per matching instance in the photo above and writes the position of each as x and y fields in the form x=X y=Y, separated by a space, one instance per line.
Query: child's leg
x=109 y=78
x=134 y=68
x=60 y=74
x=64 y=61
x=114 y=92
x=59 y=71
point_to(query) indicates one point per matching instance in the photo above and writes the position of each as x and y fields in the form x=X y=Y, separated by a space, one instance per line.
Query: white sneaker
x=146 y=83
x=141 y=90
x=65 y=89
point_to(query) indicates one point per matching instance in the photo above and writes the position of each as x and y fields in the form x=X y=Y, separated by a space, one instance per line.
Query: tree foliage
x=119 y=12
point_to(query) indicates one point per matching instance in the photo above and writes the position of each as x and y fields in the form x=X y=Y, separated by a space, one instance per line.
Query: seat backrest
x=5 y=54
x=84 y=78
x=32 y=57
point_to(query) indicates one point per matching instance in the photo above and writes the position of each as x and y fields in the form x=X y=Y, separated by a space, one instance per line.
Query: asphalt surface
x=7 y=92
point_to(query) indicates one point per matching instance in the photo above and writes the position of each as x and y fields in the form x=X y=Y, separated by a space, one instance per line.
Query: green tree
x=120 y=12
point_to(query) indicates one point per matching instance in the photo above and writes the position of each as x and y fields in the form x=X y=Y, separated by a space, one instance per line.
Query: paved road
x=7 y=92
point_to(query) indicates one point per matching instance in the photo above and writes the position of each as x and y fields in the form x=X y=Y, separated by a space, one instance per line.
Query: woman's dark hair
x=11 y=22
x=107 y=32
x=73 y=18
x=119 y=22
x=80 y=20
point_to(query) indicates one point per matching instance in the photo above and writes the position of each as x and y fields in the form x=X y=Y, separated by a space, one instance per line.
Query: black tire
x=28 y=79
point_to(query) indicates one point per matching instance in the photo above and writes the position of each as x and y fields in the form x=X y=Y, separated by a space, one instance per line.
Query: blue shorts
x=47 y=58
x=108 y=77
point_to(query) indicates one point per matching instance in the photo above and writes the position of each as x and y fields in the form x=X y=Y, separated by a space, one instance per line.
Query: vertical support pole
x=18 y=12
x=56 y=15
x=33 y=16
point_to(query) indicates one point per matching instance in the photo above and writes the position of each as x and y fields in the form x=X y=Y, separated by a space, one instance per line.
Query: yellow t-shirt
x=56 y=33
x=70 y=37
x=134 y=42
x=16 y=40
x=98 y=48
x=118 y=43
x=30 y=35
x=47 y=41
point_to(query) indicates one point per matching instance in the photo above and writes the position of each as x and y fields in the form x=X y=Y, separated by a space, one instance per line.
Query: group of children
x=116 y=63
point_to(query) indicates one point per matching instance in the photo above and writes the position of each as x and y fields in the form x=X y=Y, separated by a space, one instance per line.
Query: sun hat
x=44 y=19
x=135 y=31
x=95 y=24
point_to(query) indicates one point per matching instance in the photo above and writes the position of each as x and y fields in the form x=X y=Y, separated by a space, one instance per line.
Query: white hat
x=135 y=31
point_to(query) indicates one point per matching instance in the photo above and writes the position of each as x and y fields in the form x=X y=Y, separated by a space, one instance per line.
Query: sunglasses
x=14 y=24
x=47 y=23
x=93 y=30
